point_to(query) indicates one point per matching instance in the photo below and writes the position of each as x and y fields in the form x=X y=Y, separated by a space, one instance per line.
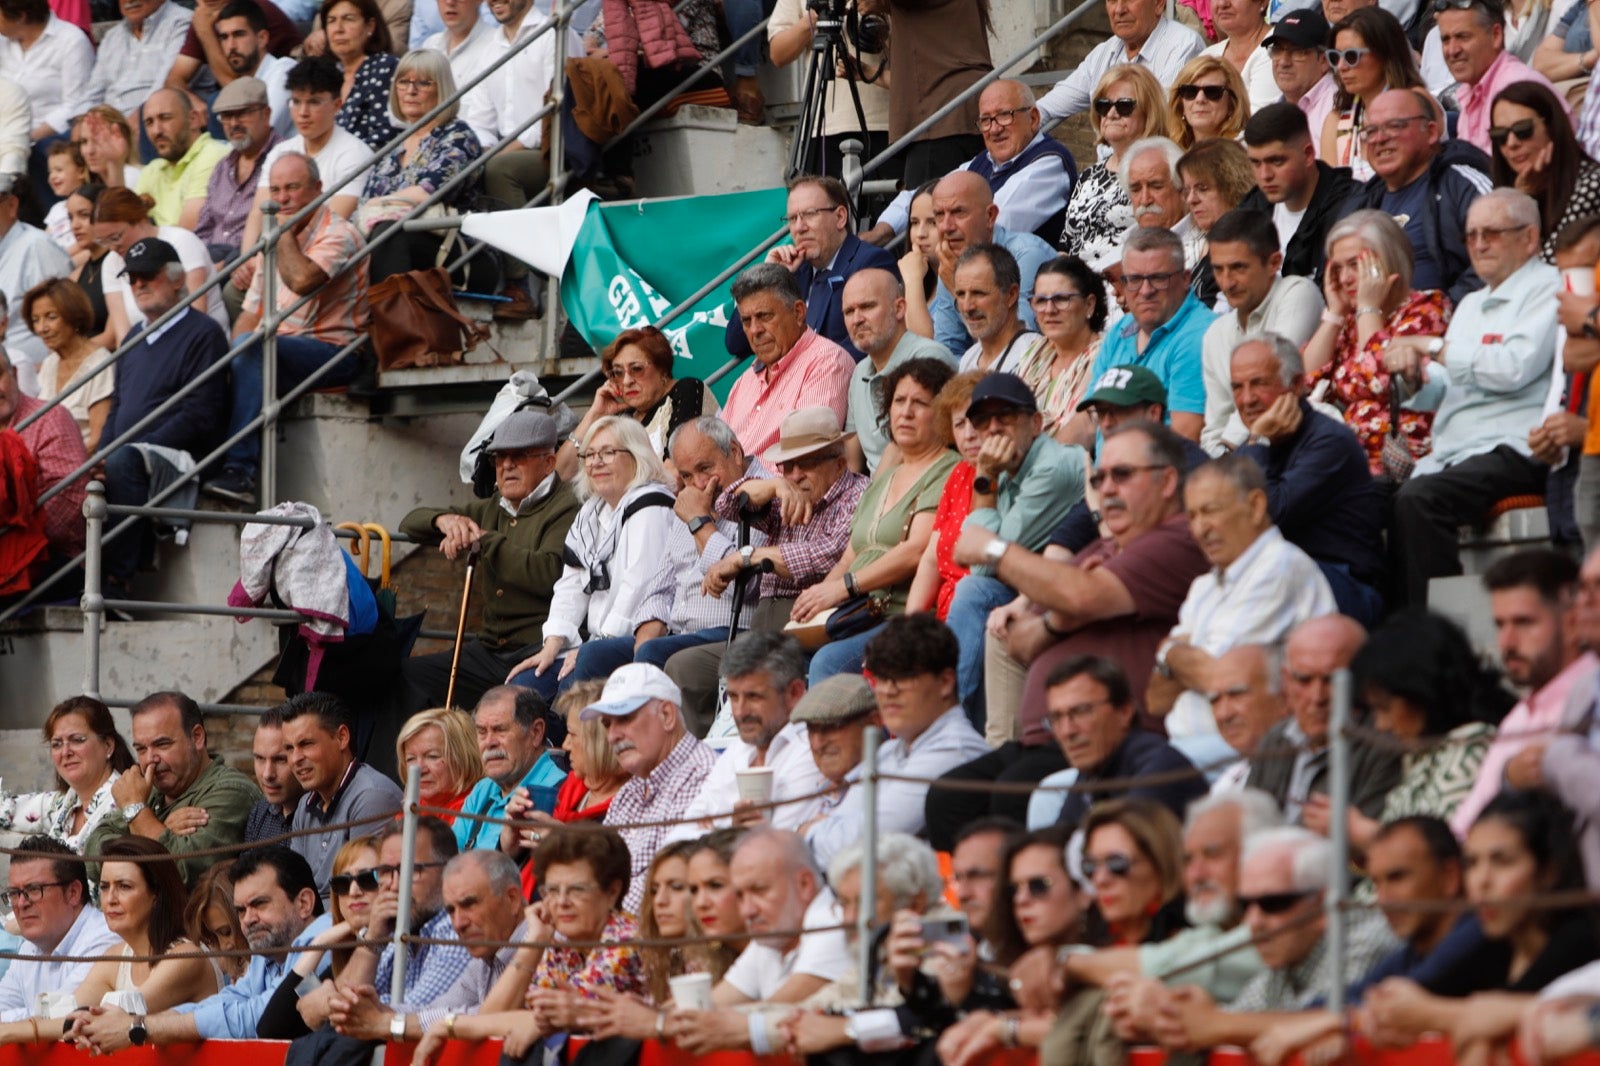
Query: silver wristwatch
x=131 y=811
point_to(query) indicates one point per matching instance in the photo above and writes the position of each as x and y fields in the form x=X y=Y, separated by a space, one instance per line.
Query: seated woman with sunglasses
x=352 y=890
x=1207 y=99
x=1370 y=55
x=613 y=551
x=1535 y=151
x=1128 y=107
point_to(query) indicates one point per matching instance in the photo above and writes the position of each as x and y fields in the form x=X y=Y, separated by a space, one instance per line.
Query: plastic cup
x=691 y=991
x=755 y=784
x=1579 y=280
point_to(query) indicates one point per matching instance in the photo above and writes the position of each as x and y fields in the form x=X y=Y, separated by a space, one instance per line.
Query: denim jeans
x=976 y=595
x=742 y=16
x=601 y=658
x=841 y=656
x=298 y=358
x=127 y=483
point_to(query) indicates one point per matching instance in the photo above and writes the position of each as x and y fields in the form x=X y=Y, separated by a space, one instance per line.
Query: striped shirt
x=338 y=312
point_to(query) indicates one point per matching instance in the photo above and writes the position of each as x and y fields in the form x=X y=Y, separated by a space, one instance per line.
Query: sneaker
x=235 y=486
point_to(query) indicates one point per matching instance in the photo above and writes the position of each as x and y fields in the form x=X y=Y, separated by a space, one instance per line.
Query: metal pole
x=408 y=861
x=558 y=180
x=1338 y=833
x=868 y=908
x=267 y=472
x=93 y=602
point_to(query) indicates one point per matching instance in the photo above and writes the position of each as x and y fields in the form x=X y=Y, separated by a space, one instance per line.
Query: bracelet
x=1331 y=319
x=450 y=1025
x=35 y=1023
x=661 y=1025
x=1010 y=1035
x=1370 y=311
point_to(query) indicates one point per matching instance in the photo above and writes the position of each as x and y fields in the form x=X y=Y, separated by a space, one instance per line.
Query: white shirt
x=273 y=72
x=1293 y=308
x=52 y=71
x=631 y=565
x=794 y=773
x=1272 y=587
x=128 y=69
x=27 y=257
x=517 y=90
x=1259 y=84
x=760 y=971
x=946 y=744
x=192 y=255
x=343 y=161
x=25 y=979
x=466 y=60
x=1010 y=358
x=16 y=126
x=1169 y=46
x=1287 y=222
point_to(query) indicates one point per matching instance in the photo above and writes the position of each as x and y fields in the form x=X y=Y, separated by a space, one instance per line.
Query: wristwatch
x=137 y=1033
x=994 y=550
x=746 y=555
x=1435 y=346
x=699 y=522
x=131 y=811
x=397 y=1027
x=1162 y=652
x=982 y=485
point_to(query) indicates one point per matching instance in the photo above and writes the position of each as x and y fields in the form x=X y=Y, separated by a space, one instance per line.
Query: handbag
x=854 y=617
x=1396 y=457
x=415 y=321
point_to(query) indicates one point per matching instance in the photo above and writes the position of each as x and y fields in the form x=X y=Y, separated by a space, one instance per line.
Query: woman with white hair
x=612 y=553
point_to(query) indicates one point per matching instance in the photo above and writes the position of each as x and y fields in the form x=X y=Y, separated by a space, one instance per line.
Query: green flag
x=632 y=262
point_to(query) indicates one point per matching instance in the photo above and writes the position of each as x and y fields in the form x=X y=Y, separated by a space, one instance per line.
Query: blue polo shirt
x=543 y=781
x=1173 y=354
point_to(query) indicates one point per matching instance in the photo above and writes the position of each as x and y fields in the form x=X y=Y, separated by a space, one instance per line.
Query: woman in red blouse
x=1367 y=286
x=443 y=745
x=934 y=585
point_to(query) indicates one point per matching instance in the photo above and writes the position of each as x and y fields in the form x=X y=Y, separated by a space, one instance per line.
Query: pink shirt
x=1317 y=103
x=1476 y=101
x=1541 y=710
x=815 y=373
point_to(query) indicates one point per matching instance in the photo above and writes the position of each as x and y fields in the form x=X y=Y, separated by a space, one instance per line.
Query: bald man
x=176 y=180
x=875 y=316
x=1292 y=760
x=965 y=212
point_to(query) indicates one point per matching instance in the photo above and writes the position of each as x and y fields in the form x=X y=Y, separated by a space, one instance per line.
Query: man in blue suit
x=823 y=256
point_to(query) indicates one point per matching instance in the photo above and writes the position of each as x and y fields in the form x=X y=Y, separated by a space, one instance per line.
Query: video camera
x=866 y=32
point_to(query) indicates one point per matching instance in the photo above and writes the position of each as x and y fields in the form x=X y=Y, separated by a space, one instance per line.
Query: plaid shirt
x=466 y=996
x=431 y=969
x=1368 y=940
x=665 y=793
x=808 y=551
x=56 y=442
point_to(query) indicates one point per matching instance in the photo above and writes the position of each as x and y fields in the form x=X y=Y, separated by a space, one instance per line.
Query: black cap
x=1304 y=28
x=1003 y=389
x=149 y=256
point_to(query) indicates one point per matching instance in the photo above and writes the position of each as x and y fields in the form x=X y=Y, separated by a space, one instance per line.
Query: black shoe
x=235 y=486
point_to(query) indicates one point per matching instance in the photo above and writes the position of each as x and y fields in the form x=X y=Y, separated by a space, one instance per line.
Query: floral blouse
x=443 y=152
x=51 y=813
x=1098 y=215
x=1058 y=394
x=619 y=967
x=366 y=111
x=1361 y=385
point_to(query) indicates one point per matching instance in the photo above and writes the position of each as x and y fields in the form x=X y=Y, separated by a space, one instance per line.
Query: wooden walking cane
x=461 y=626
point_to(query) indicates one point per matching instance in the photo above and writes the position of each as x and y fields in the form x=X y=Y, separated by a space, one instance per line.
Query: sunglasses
x=366 y=881
x=1120 y=474
x=1116 y=864
x=1273 y=902
x=1522 y=131
x=1348 y=56
x=1214 y=93
x=1035 y=887
x=1493 y=9
x=1122 y=105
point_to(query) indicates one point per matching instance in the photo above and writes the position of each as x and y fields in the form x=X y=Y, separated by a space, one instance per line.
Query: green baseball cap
x=1125 y=386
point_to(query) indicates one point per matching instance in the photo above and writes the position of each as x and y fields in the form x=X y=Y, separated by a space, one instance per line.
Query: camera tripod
x=827 y=50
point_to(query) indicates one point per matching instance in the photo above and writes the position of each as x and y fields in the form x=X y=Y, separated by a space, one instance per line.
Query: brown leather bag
x=415 y=321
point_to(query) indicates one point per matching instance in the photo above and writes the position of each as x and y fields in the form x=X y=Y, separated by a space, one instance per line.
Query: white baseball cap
x=631 y=687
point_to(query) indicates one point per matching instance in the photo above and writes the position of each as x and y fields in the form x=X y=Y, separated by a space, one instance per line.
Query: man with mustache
x=513 y=724
x=247 y=122
x=988 y=289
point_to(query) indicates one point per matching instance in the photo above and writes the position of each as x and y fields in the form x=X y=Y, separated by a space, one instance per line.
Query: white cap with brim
x=631 y=687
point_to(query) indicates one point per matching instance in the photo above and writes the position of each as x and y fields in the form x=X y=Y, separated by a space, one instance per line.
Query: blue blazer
x=826 y=316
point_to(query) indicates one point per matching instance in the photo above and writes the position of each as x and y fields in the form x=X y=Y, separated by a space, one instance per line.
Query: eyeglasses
x=1273 y=902
x=1120 y=474
x=1116 y=864
x=32 y=893
x=420 y=85
x=603 y=456
x=1285 y=50
x=394 y=871
x=1522 y=131
x=1000 y=119
x=1056 y=302
x=982 y=420
x=1076 y=714
x=365 y=880
x=1158 y=282
x=578 y=892
x=1122 y=105
x=805 y=462
x=618 y=371
x=1393 y=128
x=1348 y=56
x=967 y=877
x=1034 y=887
x=1214 y=93
x=1489 y=234
x=72 y=740
x=805 y=216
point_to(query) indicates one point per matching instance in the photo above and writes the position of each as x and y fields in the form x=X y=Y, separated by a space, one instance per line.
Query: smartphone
x=952 y=931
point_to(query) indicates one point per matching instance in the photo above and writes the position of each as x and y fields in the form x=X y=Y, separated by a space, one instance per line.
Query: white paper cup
x=755 y=784
x=691 y=991
x=1579 y=280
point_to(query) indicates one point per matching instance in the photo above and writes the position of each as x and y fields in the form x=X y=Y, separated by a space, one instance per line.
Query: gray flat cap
x=524 y=429
x=836 y=699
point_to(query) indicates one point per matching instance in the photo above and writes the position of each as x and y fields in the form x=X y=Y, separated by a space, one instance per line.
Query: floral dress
x=366 y=111
x=1098 y=215
x=619 y=966
x=51 y=813
x=1361 y=384
x=443 y=153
